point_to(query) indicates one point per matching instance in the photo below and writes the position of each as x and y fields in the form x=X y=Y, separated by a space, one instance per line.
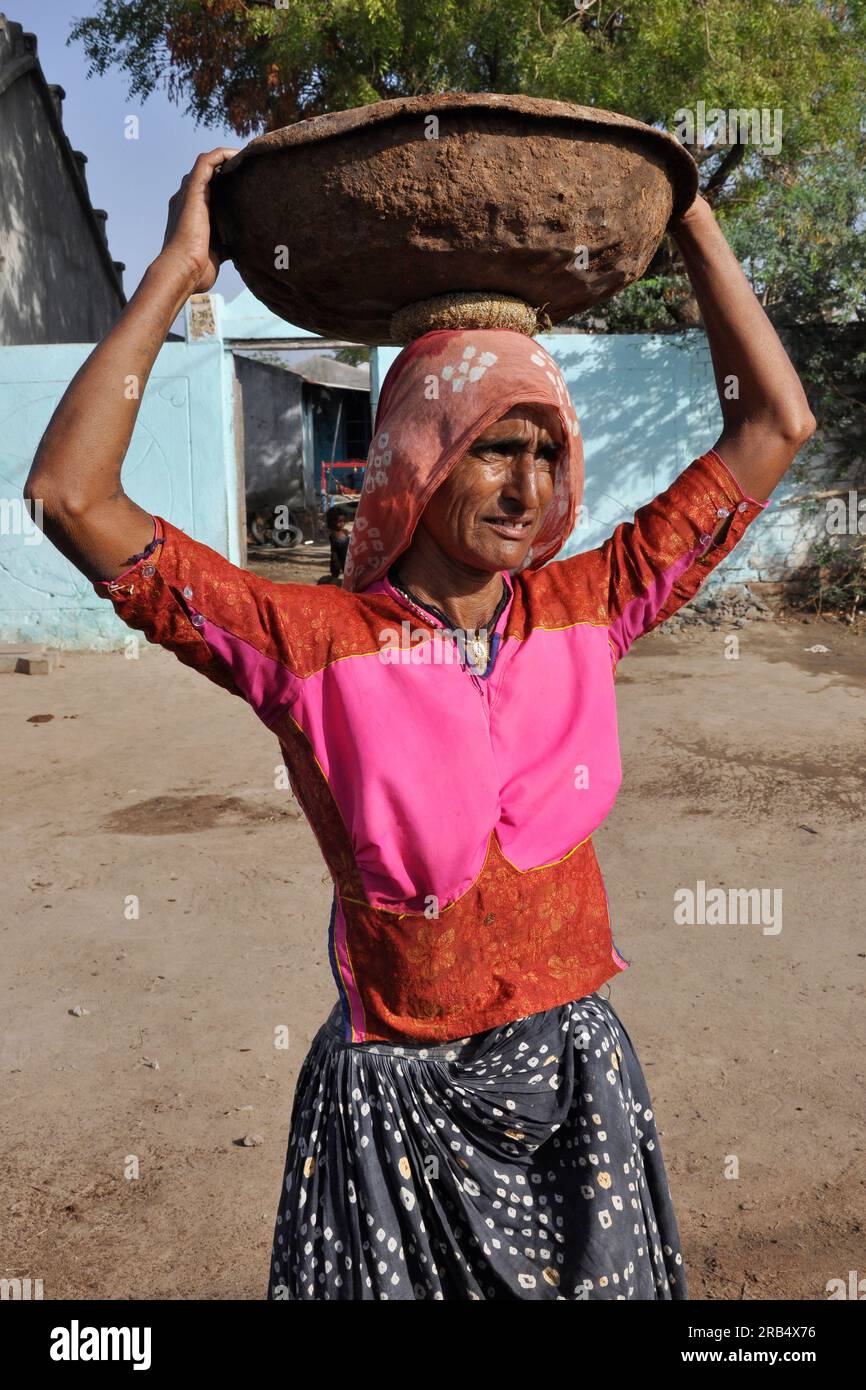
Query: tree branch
x=735 y=156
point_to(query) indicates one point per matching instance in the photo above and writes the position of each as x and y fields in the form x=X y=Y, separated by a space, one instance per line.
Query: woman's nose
x=523 y=484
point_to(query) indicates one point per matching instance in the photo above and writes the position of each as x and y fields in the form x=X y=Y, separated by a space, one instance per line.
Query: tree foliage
x=259 y=64
x=794 y=213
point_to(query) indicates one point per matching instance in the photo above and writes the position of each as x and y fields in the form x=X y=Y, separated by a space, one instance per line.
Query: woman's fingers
x=202 y=170
x=188 y=233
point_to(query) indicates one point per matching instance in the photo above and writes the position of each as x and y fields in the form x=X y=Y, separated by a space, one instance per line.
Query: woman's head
x=488 y=511
x=476 y=451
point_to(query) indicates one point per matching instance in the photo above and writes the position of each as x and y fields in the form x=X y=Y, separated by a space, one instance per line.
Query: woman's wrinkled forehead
x=519 y=420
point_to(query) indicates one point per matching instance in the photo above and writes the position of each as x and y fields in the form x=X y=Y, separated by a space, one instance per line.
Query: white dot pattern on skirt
x=522 y=1162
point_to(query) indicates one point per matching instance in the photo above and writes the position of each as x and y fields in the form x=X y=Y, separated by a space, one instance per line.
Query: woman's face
x=490 y=508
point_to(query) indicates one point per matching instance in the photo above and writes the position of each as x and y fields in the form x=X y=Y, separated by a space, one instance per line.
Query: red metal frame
x=344 y=463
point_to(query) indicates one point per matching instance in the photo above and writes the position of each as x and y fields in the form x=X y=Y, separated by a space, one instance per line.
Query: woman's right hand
x=187 y=246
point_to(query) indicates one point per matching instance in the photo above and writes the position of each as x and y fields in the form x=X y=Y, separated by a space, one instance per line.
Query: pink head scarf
x=442 y=391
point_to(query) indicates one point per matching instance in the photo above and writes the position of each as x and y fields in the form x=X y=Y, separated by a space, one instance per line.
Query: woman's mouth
x=509 y=527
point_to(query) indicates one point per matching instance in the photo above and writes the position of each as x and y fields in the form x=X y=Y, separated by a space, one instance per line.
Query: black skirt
x=519 y=1163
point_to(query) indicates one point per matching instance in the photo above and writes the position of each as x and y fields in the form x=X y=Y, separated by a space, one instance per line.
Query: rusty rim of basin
x=679 y=166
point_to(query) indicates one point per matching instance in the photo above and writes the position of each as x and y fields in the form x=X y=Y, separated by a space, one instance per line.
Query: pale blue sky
x=132 y=179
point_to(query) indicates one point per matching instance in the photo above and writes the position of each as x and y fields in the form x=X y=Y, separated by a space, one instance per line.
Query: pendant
x=479 y=651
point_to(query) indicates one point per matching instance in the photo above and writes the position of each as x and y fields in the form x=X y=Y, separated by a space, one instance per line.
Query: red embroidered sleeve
x=651 y=566
x=656 y=563
x=180 y=590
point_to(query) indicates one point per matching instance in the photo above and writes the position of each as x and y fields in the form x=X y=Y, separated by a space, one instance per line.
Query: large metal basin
x=337 y=222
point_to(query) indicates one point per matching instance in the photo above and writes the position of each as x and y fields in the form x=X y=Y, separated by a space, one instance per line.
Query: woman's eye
x=547 y=457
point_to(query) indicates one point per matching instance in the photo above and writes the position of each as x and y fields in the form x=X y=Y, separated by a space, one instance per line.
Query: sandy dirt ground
x=303 y=564
x=121 y=1180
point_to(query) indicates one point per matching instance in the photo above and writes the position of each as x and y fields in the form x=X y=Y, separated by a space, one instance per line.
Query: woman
x=471 y=1122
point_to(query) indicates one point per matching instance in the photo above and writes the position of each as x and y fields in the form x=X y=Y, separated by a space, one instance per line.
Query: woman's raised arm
x=76 y=470
x=764 y=408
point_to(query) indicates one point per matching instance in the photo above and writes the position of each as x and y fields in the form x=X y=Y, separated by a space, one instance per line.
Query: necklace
x=476 y=640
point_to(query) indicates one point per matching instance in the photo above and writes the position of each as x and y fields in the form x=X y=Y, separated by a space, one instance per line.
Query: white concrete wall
x=56 y=281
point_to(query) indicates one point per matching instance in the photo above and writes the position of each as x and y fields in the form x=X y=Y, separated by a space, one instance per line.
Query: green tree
x=793 y=210
x=265 y=63
x=354 y=356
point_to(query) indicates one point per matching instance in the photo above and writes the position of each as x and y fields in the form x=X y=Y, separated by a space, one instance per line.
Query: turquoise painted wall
x=181 y=465
x=647 y=405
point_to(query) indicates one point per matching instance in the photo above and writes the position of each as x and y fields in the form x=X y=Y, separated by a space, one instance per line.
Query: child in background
x=336 y=518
